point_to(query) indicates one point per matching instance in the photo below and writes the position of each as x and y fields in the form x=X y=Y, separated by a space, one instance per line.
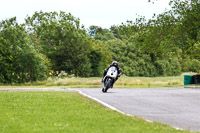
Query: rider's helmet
x=115 y=63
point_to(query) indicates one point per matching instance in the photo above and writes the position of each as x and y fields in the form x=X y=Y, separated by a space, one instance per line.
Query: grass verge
x=27 y=112
x=95 y=82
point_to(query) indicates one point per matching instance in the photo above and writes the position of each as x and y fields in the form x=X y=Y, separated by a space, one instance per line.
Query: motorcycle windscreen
x=112 y=72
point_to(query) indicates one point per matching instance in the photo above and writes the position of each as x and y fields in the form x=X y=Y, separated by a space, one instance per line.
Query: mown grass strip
x=27 y=112
x=123 y=82
x=95 y=82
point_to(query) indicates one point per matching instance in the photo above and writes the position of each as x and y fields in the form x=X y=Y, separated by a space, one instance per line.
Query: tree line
x=51 y=42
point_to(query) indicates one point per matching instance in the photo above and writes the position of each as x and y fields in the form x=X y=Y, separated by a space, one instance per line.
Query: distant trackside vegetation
x=50 y=43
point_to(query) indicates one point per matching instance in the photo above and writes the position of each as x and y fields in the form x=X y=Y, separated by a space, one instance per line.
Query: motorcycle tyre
x=108 y=86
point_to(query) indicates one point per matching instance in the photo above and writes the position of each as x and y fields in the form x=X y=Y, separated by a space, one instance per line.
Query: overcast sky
x=102 y=13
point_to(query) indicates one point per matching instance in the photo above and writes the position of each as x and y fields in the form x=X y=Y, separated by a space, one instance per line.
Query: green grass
x=95 y=82
x=26 y=112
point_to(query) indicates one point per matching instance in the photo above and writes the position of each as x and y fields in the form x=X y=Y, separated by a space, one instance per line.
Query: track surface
x=179 y=108
x=176 y=107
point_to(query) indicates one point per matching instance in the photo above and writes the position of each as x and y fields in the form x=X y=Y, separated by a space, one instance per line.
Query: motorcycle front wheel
x=107 y=86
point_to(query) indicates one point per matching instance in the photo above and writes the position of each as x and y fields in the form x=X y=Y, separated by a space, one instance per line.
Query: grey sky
x=103 y=13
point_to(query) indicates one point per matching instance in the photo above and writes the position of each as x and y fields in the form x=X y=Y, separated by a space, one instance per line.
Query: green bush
x=31 y=66
x=190 y=65
x=6 y=62
x=168 y=67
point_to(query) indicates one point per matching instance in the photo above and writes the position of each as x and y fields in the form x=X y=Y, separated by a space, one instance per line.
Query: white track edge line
x=105 y=104
x=99 y=101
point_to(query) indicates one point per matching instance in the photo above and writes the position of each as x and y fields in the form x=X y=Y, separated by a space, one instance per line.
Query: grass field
x=69 y=112
x=95 y=82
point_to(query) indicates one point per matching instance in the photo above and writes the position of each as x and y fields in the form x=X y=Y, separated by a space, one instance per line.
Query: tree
x=6 y=62
x=99 y=33
x=25 y=63
x=65 y=43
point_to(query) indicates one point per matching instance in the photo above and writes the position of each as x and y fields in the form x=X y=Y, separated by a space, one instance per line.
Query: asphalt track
x=178 y=107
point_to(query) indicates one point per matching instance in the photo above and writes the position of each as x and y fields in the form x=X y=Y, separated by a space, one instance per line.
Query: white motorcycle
x=109 y=79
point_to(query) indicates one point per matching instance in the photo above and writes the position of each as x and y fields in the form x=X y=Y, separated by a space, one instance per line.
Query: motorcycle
x=109 y=79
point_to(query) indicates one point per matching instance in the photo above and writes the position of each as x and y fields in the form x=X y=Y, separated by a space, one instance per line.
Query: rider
x=119 y=73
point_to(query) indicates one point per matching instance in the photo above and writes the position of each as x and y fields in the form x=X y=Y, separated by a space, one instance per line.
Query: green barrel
x=188 y=79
